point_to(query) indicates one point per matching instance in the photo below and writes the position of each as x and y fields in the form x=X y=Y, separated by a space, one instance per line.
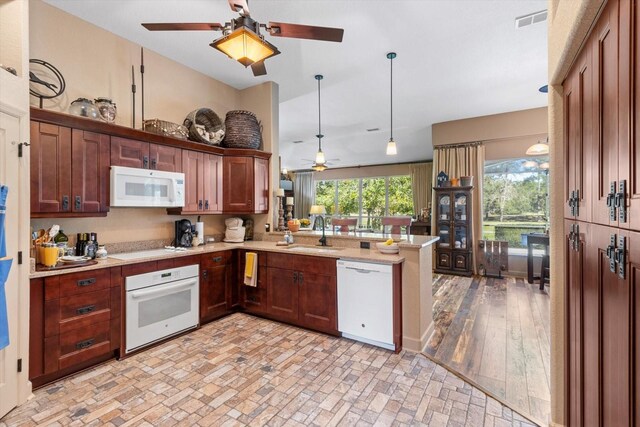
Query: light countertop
x=371 y=255
x=402 y=240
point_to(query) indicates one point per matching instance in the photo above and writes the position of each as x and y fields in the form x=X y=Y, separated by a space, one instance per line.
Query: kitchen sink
x=313 y=249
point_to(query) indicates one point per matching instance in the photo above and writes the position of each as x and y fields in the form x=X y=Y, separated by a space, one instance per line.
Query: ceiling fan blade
x=240 y=6
x=258 y=68
x=184 y=26
x=281 y=29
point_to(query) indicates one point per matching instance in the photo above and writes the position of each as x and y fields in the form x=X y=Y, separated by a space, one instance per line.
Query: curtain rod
x=463 y=144
x=368 y=166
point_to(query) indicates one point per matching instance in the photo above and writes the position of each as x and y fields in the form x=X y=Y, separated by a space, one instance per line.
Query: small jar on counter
x=101 y=253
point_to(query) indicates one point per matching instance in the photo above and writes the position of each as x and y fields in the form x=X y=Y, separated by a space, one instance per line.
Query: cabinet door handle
x=86 y=282
x=217 y=259
x=145 y=162
x=154 y=163
x=78 y=203
x=300 y=278
x=86 y=309
x=85 y=344
x=249 y=202
x=206 y=205
x=295 y=277
x=204 y=273
x=65 y=203
x=199 y=205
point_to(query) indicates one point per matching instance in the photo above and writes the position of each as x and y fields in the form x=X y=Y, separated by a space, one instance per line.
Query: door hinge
x=26 y=144
x=19 y=365
x=19 y=257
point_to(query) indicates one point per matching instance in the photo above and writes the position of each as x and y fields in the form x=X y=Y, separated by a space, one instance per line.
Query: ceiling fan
x=241 y=38
x=320 y=166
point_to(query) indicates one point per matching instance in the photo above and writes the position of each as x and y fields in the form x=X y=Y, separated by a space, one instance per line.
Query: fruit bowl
x=293 y=226
x=387 y=249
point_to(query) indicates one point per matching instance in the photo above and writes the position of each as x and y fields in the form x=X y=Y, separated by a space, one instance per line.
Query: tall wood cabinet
x=246 y=185
x=454 y=250
x=602 y=220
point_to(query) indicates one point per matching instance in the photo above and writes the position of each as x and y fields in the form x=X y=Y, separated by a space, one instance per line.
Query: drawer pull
x=217 y=259
x=86 y=309
x=85 y=344
x=86 y=282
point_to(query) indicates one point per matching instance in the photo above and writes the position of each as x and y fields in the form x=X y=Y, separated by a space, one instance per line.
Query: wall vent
x=373 y=130
x=530 y=19
x=298 y=141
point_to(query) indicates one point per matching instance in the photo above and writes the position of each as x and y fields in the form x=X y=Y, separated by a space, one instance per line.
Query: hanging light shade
x=320 y=163
x=544 y=166
x=244 y=44
x=538 y=149
x=530 y=164
x=392 y=150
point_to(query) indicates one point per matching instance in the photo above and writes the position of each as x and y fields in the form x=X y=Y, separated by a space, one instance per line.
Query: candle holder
x=289 y=212
x=280 y=215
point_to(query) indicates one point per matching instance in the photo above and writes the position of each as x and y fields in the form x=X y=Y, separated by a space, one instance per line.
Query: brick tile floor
x=243 y=370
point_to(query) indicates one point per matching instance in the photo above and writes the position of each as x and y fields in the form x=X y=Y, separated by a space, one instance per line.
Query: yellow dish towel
x=250 y=269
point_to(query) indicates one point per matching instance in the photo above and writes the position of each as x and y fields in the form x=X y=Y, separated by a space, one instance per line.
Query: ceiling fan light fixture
x=538 y=149
x=318 y=167
x=392 y=150
x=245 y=46
x=320 y=159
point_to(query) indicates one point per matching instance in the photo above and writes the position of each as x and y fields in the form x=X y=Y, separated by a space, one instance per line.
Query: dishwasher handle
x=361 y=270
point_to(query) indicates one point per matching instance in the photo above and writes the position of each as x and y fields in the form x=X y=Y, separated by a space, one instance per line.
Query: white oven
x=135 y=187
x=161 y=304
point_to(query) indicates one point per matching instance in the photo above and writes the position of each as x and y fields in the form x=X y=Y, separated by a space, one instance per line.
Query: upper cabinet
x=246 y=185
x=71 y=158
x=69 y=171
x=139 y=154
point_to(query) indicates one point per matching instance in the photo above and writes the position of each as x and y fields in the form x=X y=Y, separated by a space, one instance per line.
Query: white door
x=9 y=137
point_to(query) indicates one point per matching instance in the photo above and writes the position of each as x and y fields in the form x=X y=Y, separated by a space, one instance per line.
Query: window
x=368 y=199
x=516 y=199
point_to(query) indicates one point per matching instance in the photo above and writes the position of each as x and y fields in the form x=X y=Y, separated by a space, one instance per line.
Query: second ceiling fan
x=242 y=39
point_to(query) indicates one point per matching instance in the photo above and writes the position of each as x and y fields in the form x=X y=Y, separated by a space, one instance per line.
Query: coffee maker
x=184 y=235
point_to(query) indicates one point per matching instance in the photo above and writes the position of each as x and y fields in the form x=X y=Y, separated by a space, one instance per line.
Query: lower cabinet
x=74 y=322
x=216 y=281
x=253 y=298
x=302 y=290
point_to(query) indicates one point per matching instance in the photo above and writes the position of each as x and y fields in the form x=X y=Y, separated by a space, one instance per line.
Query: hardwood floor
x=496 y=333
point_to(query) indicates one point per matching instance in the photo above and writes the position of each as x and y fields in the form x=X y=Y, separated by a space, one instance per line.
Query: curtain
x=304 y=193
x=464 y=160
x=421 y=182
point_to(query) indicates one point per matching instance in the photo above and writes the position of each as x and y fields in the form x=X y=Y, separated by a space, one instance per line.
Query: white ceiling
x=456 y=59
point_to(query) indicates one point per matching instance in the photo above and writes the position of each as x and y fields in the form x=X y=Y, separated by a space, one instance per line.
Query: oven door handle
x=162 y=289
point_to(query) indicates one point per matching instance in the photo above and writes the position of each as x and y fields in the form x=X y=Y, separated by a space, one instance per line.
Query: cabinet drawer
x=278 y=260
x=460 y=261
x=315 y=265
x=86 y=281
x=215 y=259
x=77 y=346
x=81 y=311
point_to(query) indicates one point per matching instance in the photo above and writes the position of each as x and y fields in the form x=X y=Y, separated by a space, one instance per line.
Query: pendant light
x=320 y=163
x=538 y=149
x=392 y=150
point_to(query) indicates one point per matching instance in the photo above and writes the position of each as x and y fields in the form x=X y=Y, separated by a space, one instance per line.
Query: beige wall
x=363 y=172
x=98 y=63
x=510 y=148
x=515 y=124
x=569 y=23
x=11 y=33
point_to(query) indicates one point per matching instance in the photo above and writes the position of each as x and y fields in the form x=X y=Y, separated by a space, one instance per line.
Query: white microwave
x=135 y=187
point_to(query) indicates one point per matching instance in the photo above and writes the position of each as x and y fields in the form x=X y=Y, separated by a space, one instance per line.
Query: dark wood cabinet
x=602 y=147
x=73 y=325
x=203 y=183
x=253 y=299
x=141 y=154
x=246 y=185
x=454 y=253
x=216 y=281
x=302 y=290
x=69 y=171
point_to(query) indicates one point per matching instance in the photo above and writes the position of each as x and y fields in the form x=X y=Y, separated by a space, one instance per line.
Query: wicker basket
x=243 y=130
x=213 y=131
x=162 y=127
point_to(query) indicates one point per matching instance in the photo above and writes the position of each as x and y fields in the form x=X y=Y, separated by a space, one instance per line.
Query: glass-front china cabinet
x=454 y=250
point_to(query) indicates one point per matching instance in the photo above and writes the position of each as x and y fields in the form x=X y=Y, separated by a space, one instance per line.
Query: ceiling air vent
x=373 y=130
x=298 y=141
x=530 y=19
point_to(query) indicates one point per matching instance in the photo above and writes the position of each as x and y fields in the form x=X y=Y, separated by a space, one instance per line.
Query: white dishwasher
x=365 y=302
